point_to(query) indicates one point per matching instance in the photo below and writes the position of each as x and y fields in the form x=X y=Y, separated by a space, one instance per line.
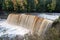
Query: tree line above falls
x=30 y=5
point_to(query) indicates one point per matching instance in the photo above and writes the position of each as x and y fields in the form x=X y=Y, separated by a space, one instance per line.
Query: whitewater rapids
x=22 y=24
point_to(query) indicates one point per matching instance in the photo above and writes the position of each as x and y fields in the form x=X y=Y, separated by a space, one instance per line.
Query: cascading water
x=35 y=25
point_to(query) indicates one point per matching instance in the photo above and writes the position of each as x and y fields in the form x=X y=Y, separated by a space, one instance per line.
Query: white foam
x=12 y=29
x=50 y=17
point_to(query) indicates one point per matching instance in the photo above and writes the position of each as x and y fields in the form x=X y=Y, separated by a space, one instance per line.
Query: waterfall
x=36 y=25
x=44 y=26
x=13 y=19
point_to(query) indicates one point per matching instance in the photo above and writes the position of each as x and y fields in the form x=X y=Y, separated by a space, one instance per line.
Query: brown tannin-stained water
x=36 y=25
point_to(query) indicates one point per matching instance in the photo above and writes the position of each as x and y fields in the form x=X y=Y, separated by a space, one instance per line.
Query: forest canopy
x=30 y=5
